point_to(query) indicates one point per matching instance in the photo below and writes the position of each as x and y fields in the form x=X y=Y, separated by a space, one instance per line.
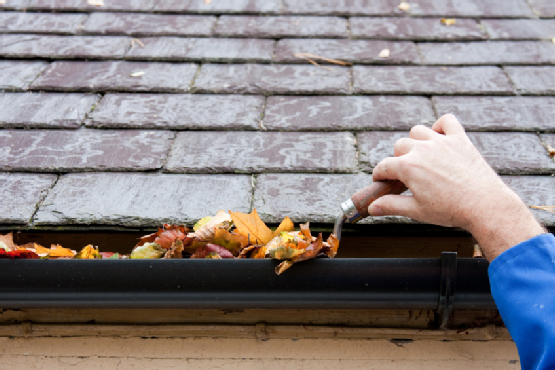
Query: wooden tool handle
x=364 y=197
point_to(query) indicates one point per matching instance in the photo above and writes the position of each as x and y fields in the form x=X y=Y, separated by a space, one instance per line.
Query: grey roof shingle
x=103 y=89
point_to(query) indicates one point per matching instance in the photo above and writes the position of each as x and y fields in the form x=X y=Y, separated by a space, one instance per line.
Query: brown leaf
x=283 y=266
x=330 y=246
x=312 y=250
x=252 y=227
x=222 y=220
x=7 y=240
x=165 y=236
x=176 y=250
x=231 y=241
x=248 y=251
x=206 y=250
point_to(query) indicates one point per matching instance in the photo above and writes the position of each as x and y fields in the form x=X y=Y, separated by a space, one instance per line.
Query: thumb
x=395 y=205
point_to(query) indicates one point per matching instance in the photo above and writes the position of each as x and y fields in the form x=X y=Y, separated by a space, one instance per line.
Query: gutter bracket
x=448 y=286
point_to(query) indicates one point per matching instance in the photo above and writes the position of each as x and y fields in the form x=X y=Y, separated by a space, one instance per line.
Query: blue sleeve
x=523 y=285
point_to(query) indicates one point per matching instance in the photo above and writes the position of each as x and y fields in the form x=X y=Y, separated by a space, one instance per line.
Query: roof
x=136 y=113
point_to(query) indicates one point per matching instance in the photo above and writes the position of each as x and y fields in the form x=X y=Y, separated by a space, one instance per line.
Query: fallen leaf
x=252 y=227
x=203 y=221
x=448 y=21
x=404 y=6
x=384 y=53
x=148 y=251
x=283 y=266
x=175 y=250
x=222 y=220
x=166 y=236
x=137 y=74
x=230 y=241
x=21 y=254
x=248 y=251
x=87 y=253
x=288 y=245
x=285 y=225
x=310 y=252
x=6 y=241
x=330 y=246
x=59 y=251
x=207 y=250
x=95 y=2
x=305 y=229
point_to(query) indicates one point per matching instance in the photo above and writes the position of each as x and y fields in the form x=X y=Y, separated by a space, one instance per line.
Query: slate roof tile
x=473 y=8
x=116 y=76
x=15 y=22
x=495 y=113
x=519 y=29
x=341 y=7
x=142 y=199
x=526 y=156
x=63 y=47
x=137 y=24
x=430 y=80
x=533 y=80
x=303 y=137
x=253 y=152
x=271 y=79
x=484 y=53
x=83 y=150
x=281 y=26
x=354 y=113
x=357 y=51
x=45 y=110
x=21 y=195
x=17 y=75
x=209 y=50
x=425 y=29
x=190 y=112
x=545 y=8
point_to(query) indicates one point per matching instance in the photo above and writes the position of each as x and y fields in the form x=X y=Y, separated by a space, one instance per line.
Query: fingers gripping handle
x=361 y=200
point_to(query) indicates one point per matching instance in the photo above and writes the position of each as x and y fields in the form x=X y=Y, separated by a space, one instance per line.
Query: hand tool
x=356 y=208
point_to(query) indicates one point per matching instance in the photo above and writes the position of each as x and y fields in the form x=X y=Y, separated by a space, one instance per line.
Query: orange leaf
x=286 y=225
x=88 y=253
x=306 y=230
x=59 y=251
x=252 y=227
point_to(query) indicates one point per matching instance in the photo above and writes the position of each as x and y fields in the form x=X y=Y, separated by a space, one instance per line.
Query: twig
x=545 y=208
x=310 y=57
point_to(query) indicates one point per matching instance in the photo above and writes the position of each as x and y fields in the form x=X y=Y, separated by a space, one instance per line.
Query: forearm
x=502 y=222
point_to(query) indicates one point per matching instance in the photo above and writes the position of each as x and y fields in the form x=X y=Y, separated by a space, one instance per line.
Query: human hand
x=452 y=185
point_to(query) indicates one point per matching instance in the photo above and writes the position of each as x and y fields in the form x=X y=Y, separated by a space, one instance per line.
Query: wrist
x=504 y=225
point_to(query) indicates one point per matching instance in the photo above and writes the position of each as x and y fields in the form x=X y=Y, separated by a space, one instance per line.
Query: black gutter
x=411 y=283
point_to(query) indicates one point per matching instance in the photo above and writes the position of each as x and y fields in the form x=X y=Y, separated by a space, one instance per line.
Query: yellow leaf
x=448 y=21
x=40 y=250
x=252 y=227
x=286 y=225
x=89 y=252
